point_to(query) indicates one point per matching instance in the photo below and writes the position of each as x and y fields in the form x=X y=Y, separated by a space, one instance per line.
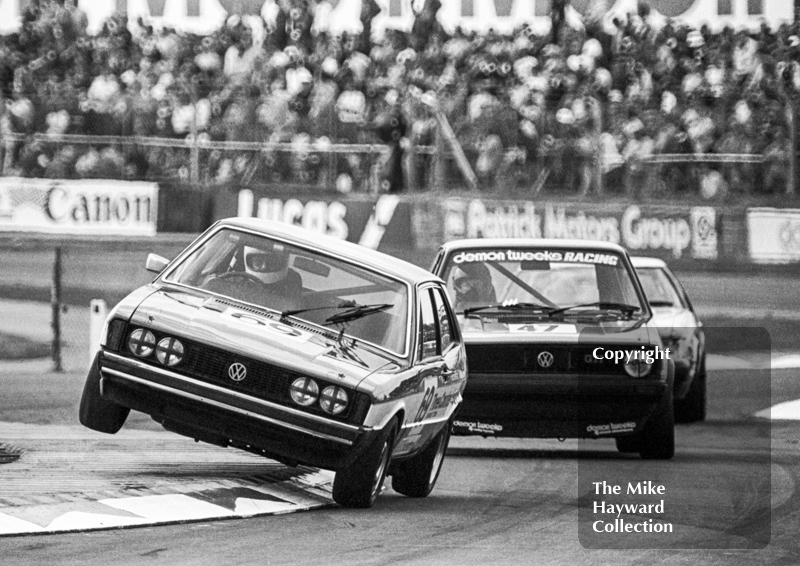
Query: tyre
x=627 y=444
x=97 y=413
x=657 y=438
x=416 y=476
x=692 y=408
x=359 y=484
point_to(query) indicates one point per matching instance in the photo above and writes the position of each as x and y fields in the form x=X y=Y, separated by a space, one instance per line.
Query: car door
x=440 y=367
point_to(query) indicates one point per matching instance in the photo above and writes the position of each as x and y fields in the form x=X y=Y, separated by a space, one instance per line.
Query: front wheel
x=359 y=484
x=657 y=439
x=97 y=413
x=417 y=476
x=692 y=408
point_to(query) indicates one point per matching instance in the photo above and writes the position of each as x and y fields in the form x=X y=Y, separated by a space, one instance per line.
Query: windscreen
x=301 y=283
x=553 y=278
x=658 y=288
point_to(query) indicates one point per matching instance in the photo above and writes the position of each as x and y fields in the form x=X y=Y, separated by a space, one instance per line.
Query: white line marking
x=80 y=520
x=11 y=525
x=169 y=507
x=787 y=411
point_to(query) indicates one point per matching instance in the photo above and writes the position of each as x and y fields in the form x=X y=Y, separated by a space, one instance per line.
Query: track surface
x=730 y=488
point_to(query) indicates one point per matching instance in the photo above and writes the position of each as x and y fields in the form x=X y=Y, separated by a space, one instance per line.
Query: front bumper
x=220 y=416
x=559 y=405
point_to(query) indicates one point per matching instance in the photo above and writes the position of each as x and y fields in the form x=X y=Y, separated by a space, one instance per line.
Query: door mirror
x=156 y=263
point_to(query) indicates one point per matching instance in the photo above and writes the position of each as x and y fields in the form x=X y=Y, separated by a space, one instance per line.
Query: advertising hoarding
x=88 y=206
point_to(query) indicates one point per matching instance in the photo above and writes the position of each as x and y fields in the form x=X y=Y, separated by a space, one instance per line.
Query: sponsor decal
x=773 y=235
x=611 y=428
x=477 y=426
x=544 y=255
x=88 y=206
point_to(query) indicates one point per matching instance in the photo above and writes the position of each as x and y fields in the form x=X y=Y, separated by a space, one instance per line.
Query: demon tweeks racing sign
x=543 y=255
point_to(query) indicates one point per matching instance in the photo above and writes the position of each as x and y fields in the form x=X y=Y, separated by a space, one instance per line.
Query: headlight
x=141 y=342
x=304 y=391
x=638 y=368
x=333 y=400
x=169 y=351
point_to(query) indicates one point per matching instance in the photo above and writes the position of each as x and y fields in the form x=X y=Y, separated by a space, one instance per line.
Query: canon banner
x=773 y=235
x=667 y=232
x=78 y=207
x=375 y=222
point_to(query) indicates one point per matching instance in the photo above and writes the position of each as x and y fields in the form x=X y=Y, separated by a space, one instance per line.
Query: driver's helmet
x=269 y=266
x=473 y=284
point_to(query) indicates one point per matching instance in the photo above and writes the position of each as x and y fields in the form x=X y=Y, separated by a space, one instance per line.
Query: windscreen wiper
x=509 y=306
x=624 y=307
x=356 y=311
x=293 y=312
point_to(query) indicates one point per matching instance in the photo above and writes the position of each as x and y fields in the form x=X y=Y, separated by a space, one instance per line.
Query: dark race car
x=552 y=330
x=681 y=331
x=294 y=346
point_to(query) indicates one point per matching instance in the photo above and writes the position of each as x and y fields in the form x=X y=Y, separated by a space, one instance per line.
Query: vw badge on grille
x=545 y=359
x=237 y=371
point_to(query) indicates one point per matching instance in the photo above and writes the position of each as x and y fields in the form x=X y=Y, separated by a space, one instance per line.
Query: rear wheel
x=417 y=476
x=359 y=484
x=692 y=408
x=97 y=413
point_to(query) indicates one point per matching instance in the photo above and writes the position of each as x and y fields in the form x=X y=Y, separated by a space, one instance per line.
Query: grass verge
x=13 y=347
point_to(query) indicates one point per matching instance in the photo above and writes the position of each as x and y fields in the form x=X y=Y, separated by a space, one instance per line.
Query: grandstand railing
x=347 y=167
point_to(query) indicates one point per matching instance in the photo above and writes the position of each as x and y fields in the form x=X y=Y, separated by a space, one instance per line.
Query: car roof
x=531 y=243
x=652 y=262
x=398 y=268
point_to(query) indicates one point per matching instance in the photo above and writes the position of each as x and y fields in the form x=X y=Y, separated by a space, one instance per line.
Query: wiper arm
x=624 y=307
x=293 y=312
x=356 y=311
x=509 y=306
x=662 y=304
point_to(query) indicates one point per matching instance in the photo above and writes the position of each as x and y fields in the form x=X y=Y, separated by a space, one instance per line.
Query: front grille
x=524 y=358
x=264 y=380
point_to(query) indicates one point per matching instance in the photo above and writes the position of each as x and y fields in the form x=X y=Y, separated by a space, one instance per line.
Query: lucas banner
x=382 y=222
x=773 y=235
x=669 y=232
x=78 y=207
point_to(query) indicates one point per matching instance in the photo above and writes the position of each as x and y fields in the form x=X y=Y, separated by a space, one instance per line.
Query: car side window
x=428 y=342
x=447 y=336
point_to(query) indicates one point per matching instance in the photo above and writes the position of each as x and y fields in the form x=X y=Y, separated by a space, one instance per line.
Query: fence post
x=98 y=310
x=597 y=118
x=792 y=176
x=194 y=166
x=55 y=306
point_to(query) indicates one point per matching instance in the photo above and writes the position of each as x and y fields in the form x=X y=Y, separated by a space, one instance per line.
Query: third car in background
x=681 y=331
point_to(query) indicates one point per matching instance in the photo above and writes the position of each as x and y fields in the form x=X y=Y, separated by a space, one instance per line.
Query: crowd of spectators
x=527 y=108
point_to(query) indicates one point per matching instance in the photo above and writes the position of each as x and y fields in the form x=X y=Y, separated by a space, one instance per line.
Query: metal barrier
x=562 y=167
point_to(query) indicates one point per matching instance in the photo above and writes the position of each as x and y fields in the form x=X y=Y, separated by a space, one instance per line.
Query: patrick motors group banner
x=669 y=232
x=88 y=206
